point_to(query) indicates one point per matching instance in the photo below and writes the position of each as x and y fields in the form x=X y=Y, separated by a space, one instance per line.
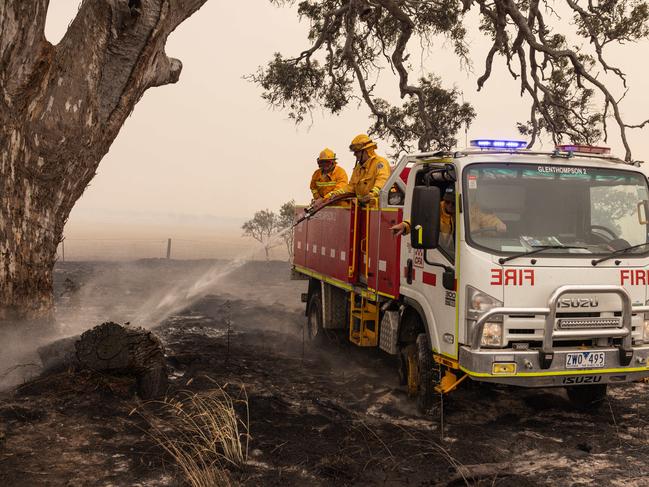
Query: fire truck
x=552 y=295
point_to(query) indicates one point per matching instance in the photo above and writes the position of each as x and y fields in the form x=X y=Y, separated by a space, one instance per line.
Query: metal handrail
x=623 y=332
x=525 y=152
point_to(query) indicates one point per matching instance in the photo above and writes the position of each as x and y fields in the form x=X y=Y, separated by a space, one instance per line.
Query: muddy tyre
x=587 y=397
x=402 y=366
x=427 y=375
x=314 y=330
x=418 y=371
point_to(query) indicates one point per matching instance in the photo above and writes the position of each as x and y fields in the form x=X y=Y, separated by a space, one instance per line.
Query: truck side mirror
x=424 y=221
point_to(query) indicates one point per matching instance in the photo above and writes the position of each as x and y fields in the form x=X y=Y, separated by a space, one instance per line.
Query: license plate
x=585 y=360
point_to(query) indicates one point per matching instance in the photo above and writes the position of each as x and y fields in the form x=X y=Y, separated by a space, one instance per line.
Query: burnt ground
x=332 y=416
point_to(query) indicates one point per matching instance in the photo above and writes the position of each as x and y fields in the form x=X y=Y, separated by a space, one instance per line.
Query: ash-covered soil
x=332 y=416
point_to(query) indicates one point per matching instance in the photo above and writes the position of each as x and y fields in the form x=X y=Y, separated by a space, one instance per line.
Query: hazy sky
x=210 y=149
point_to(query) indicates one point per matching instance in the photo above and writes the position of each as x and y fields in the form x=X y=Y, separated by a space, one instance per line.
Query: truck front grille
x=583 y=323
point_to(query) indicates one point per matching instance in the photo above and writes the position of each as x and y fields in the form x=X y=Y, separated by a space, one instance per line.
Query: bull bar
x=546 y=354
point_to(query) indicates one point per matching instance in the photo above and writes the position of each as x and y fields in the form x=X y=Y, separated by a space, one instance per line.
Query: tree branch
x=111 y=54
x=407 y=26
x=22 y=46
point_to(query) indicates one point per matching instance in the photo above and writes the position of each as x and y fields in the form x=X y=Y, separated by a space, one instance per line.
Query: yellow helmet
x=362 y=142
x=327 y=155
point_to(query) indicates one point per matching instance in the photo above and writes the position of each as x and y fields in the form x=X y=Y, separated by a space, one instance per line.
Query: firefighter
x=327 y=178
x=478 y=220
x=370 y=173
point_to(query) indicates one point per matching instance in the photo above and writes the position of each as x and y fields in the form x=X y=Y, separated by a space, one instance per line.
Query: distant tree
x=557 y=52
x=262 y=227
x=286 y=219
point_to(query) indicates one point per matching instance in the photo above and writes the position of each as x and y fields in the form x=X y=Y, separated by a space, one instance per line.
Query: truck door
x=427 y=268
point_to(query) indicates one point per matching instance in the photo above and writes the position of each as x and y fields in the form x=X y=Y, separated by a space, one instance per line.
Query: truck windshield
x=513 y=208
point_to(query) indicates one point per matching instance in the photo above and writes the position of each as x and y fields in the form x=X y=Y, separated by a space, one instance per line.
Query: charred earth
x=329 y=416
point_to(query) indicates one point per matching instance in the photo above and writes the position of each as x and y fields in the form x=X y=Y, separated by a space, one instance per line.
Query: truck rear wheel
x=314 y=329
x=587 y=397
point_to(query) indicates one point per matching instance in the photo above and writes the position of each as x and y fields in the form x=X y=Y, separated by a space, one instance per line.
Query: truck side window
x=447 y=229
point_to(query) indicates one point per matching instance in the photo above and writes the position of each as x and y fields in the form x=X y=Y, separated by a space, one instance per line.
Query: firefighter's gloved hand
x=365 y=199
x=501 y=227
x=318 y=203
x=400 y=229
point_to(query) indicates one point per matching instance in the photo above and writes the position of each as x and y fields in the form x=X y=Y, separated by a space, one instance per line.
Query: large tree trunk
x=61 y=107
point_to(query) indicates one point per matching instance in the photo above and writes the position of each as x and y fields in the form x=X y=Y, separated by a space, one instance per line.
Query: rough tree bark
x=61 y=107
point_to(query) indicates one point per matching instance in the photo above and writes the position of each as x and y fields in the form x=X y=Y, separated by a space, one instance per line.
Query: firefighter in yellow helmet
x=327 y=178
x=370 y=173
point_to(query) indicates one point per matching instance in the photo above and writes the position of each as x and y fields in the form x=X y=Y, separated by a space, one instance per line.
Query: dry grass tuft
x=203 y=434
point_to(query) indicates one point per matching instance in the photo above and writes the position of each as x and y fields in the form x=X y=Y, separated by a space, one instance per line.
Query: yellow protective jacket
x=323 y=184
x=368 y=178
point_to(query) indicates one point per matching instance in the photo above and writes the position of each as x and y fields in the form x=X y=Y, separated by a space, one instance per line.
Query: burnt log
x=118 y=349
x=113 y=349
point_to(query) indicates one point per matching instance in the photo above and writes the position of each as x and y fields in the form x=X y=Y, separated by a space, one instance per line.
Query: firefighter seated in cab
x=370 y=173
x=328 y=178
x=478 y=220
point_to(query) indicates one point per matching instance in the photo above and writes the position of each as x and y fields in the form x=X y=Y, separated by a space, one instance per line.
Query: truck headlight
x=477 y=304
x=492 y=334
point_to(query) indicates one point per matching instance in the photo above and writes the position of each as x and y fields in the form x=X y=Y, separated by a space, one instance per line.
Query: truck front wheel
x=420 y=372
x=587 y=397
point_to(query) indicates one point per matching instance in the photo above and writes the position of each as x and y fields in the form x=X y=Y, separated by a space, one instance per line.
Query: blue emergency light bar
x=498 y=144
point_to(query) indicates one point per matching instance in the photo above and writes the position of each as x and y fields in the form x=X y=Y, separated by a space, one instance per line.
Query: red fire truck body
x=348 y=245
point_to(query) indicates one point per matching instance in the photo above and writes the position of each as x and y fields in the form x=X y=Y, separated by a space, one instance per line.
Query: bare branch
x=562 y=82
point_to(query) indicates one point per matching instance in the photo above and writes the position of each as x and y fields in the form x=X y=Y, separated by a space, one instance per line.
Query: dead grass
x=206 y=434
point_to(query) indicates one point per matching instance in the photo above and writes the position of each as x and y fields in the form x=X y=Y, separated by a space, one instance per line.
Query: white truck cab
x=529 y=268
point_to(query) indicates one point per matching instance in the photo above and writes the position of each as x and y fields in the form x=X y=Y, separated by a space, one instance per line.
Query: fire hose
x=310 y=211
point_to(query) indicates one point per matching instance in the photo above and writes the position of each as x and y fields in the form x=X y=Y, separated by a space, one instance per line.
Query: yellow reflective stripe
x=558 y=372
x=446 y=355
x=328 y=280
x=332 y=183
x=381 y=293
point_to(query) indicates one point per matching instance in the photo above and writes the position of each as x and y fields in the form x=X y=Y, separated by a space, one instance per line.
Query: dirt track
x=317 y=417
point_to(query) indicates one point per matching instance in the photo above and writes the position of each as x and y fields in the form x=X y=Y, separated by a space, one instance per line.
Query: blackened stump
x=118 y=349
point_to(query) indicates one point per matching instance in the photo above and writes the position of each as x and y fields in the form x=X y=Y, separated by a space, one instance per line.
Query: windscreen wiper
x=538 y=249
x=618 y=252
